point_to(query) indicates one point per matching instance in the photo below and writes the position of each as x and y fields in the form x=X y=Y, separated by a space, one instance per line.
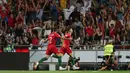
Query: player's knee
x=46 y=58
x=71 y=58
x=71 y=55
x=59 y=54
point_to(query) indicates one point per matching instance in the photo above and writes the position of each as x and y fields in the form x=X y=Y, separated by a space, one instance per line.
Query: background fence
x=24 y=57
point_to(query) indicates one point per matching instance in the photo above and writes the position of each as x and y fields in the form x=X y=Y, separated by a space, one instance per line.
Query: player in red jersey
x=51 y=48
x=65 y=48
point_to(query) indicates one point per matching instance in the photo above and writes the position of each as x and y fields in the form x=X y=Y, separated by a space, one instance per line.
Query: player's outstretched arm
x=58 y=36
x=66 y=38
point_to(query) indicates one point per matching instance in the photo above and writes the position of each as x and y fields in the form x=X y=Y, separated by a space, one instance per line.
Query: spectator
x=112 y=31
x=35 y=39
x=54 y=11
x=26 y=40
x=93 y=20
x=75 y=14
x=18 y=30
x=97 y=35
x=90 y=33
x=77 y=26
x=11 y=21
x=42 y=43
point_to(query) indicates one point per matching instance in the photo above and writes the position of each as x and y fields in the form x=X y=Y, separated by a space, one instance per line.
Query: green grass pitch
x=64 y=71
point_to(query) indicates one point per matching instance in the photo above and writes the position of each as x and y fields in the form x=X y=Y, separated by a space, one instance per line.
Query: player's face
x=71 y=30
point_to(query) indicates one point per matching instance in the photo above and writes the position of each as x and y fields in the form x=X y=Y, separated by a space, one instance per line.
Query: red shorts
x=51 y=49
x=64 y=50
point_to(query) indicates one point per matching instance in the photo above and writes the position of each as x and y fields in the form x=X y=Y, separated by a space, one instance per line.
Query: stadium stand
x=93 y=21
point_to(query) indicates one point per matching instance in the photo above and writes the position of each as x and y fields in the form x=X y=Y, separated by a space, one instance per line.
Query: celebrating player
x=65 y=48
x=51 y=48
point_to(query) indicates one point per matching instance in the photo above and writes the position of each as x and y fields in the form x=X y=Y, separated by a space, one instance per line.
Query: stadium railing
x=51 y=63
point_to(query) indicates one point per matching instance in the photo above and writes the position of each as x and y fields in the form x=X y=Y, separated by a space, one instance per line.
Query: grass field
x=64 y=71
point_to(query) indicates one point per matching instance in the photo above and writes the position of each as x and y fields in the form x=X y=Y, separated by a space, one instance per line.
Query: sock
x=72 y=61
x=55 y=56
x=59 y=59
x=43 y=59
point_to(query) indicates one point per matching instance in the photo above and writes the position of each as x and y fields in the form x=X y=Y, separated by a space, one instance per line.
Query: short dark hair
x=67 y=29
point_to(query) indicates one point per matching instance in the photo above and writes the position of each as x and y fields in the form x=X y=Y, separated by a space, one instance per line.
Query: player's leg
x=48 y=53
x=58 y=56
x=61 y=53
x=103 y=68
x=72 y=58
x=73 y=61
x=40 y=61
x=106 y=64
x=112 y=65
x=44 y=59
x=69 y=52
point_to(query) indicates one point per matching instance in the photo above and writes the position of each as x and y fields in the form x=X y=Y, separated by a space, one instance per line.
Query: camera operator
x=109 y=56
x=70 y=65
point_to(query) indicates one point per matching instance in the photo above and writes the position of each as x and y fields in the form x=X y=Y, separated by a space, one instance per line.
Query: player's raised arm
x=66 y=38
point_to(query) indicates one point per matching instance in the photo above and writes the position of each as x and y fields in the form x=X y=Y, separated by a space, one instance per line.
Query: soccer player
x=65 y=48
x=51 y=48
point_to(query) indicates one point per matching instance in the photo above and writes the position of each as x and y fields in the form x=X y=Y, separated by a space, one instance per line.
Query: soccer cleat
x=61 y=68
x=74 y=67
x=35 y=65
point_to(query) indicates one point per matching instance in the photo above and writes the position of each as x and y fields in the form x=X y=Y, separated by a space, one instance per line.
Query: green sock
x=59 y=59
x=55 y=56
x=72 y=60
x=43 y=59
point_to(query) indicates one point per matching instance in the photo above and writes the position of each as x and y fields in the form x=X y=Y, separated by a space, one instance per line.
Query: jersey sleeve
x=57 y=35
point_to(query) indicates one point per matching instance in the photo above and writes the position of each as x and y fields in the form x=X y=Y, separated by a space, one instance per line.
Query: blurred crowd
x=25 y=22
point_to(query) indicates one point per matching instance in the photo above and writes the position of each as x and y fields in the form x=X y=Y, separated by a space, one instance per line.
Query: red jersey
x=112 y=32
x=35 y=41
x=52 y=38
x=67 y=42
x=90 y=31
x=11 y=22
